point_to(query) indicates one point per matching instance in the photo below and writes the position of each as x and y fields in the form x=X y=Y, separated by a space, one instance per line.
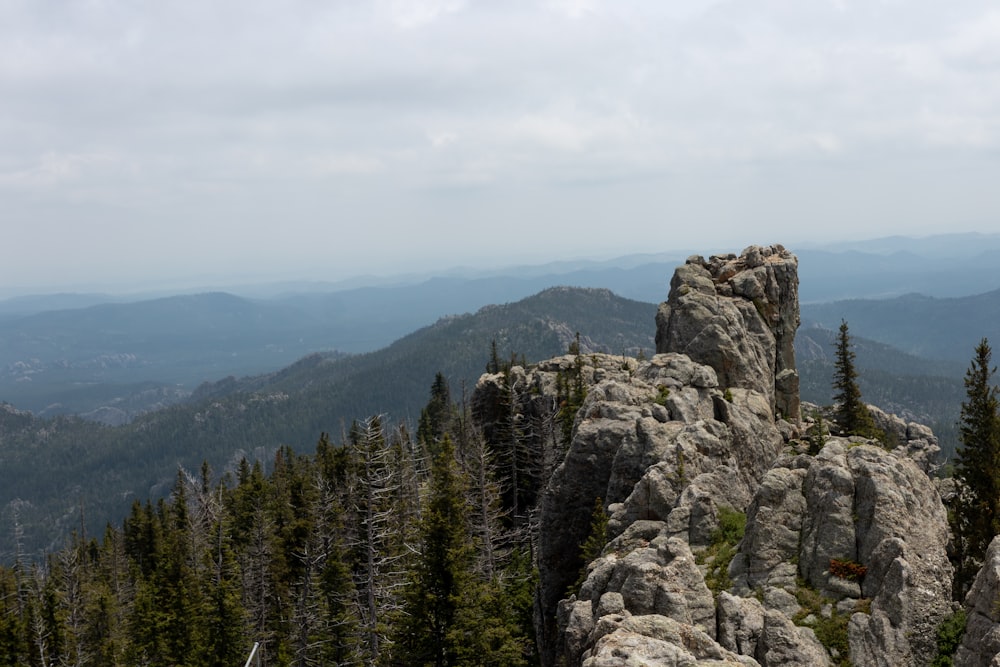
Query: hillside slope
x=54 y=469
x=928 y=327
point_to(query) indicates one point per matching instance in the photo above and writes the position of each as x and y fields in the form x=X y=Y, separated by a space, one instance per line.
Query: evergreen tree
x=437 y=415
x=13 y=644
x=376 y=546
x=852 y=415
x=975 y=510
x=442 y=581
x=594 y=544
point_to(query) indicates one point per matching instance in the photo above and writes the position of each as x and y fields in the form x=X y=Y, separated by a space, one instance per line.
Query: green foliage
x=830 y=627
x=437 y=415
x=309 y=561
x=949 y=637
x=728 y=395
x=662 y=393
x=852 y=414
x=722 y=549
x=571 y=391
x=594 y=544
x=817 y=435
x=732 y=525
x=975 y=509
x=442 y=582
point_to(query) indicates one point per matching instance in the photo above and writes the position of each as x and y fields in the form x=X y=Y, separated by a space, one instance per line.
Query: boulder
x=656 y=641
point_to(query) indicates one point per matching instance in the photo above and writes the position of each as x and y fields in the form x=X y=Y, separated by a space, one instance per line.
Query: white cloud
x=411 y=14
x=346 y=164
x=53 y=169
x=402 y=112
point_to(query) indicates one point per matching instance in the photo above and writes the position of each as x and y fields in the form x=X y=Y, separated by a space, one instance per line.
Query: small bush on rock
x=847 y=569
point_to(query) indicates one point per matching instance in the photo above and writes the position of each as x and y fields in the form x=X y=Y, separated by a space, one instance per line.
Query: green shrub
x=732 y=525
x=722 y=549
x=830 y=630
x=949 y=636
x=662 y=393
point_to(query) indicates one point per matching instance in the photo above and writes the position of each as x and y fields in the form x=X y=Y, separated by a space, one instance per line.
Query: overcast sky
x=143 y=141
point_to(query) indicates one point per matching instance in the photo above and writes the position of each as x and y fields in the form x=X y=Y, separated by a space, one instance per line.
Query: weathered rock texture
x=856 y=504
x=670 y=442
x=981 y=643
x=660 y=444
x=739 y=316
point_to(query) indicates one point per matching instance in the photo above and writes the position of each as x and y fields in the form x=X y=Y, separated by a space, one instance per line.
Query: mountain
x=54 y=469
x=722 y=523
x=935 y=328
x=68 y=354
x=46 y=460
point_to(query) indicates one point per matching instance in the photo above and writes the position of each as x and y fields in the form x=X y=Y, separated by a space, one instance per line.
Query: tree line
x=387 y=548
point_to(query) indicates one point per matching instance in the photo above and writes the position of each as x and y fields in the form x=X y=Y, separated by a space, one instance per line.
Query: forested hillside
x=57 y=473
x=923 y=326
x=331 y=550
x=378 y=549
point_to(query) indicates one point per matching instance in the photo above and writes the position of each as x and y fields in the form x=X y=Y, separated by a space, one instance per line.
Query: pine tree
x=851 y=414
x=437 y=415
x=442 y=580
x=13 y=647
x=594 y=544
x=377 y=549
x=975 y=510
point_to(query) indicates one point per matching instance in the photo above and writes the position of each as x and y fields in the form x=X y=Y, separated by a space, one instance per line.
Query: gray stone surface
x=981 y=644
x=860 y=504
x=739 y=316
x=669 y=442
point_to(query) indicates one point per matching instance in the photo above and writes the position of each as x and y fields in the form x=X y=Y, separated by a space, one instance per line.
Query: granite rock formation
x=739 y=315
x=981 y=643
x=851 y=537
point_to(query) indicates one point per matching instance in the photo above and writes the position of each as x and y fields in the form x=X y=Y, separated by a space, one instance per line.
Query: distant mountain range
x=221 y=376
x=52 y=469
x=924 y=326
x=112 y=358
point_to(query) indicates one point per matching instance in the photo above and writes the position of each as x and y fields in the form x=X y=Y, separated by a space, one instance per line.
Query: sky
x=149 y=142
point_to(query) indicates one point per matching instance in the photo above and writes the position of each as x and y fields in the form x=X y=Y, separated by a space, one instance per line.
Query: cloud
x=412 y=14
x=399 y=113
x=56 y=169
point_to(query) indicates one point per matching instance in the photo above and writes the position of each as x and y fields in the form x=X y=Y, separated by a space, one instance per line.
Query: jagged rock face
x=981 y=644
x=655 y=442
x=917 y=440
x=670 y=442
x=856 y=504
x=739 y=316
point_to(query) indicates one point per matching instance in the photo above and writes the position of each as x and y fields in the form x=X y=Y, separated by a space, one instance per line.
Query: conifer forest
x=389 y=548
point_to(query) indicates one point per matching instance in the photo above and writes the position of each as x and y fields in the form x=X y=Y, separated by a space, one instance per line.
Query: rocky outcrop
x=739 y=316
x=655 y=441
x=917 y=440
x=854 y=522
x=981 y=644
x=847 y=545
